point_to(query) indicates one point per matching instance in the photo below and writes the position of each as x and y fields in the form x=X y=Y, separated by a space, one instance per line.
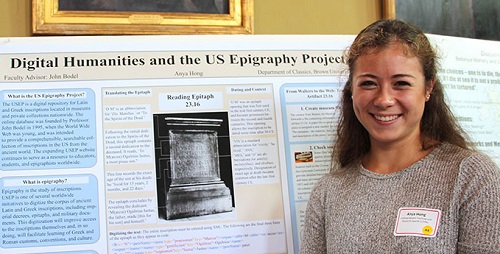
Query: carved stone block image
x=194 y=175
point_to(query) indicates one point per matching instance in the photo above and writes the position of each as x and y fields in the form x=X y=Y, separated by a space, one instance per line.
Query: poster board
x=90 y=133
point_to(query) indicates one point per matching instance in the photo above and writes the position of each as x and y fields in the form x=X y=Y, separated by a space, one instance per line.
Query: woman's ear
x=429 y=88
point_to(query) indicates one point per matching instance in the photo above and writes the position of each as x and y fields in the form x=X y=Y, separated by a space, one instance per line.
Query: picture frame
x=388 y=9
x=469 y=19
x=137 y=18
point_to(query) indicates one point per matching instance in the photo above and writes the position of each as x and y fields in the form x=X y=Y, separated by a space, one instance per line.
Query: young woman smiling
x=404 y=177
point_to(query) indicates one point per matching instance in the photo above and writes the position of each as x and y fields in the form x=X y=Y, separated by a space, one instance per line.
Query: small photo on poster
x=193 y=165
x=301 y=157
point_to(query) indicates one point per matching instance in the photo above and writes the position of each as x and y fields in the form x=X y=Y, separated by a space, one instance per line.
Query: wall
x=15 y=18
x=314 y=17
x=271 y=17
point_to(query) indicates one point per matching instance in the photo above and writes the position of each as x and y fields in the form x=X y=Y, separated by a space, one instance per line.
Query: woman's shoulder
x=471 y=163
x=452 y=153
x=336 y=177
x=328 y=184
x=450 y=150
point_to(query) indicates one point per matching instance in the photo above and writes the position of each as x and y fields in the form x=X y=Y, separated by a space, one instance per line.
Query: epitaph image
x=193 y=165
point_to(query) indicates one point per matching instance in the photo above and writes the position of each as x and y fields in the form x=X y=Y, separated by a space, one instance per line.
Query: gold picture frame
x=389 y=9
x=48 y=19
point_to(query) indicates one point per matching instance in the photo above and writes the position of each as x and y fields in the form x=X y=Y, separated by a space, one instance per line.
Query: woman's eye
x=368 y=83
x=402 y=83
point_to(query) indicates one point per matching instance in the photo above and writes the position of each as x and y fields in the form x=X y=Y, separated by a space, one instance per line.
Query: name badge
x=413 y=221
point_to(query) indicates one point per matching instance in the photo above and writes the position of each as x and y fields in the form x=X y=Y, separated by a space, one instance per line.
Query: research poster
x=187 y=144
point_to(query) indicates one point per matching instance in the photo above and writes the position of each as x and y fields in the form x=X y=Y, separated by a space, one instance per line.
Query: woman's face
x=389 y=95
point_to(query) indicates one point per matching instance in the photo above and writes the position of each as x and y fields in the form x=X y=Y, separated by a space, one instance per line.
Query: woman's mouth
x=385 y=118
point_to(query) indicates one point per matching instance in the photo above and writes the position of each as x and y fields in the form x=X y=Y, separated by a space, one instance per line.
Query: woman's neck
x=387 y=159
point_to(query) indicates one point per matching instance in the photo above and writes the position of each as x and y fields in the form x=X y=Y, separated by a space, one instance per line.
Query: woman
x=404 y=178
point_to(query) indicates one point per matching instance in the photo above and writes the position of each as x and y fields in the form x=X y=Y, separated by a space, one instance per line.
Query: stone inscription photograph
x=193 y=166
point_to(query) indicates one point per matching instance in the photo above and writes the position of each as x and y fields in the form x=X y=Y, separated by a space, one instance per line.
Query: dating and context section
x=48 y=129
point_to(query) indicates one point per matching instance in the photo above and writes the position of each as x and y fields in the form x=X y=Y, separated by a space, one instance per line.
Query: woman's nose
x=384 y=98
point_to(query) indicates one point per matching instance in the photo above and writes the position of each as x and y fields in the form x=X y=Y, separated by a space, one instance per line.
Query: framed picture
x=114 y=17
x=462 y=18
x=389 y=9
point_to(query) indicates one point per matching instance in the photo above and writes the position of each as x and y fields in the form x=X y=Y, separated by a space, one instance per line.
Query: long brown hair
x=438 y=124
